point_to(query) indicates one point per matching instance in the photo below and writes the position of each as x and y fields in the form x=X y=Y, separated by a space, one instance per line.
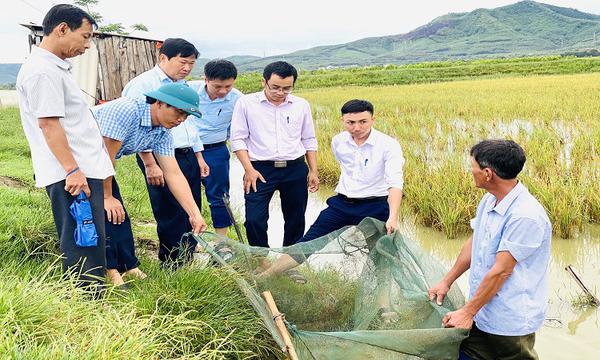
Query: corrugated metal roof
x=36 y=27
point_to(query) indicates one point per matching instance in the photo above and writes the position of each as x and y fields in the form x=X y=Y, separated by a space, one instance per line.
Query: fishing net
x=356 y=293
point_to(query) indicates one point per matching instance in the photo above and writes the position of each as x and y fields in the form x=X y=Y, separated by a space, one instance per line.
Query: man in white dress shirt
x=370 y=184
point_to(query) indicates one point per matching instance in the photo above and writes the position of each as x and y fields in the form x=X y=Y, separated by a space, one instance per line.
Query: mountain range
x=521 y=29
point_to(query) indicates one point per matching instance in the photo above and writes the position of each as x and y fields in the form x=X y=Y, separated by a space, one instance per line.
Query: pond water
x=568 y=333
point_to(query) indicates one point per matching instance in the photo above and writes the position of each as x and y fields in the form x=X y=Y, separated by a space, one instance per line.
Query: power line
x=32 y=6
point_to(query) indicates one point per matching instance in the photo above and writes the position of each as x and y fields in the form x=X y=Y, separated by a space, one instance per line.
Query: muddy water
x=568 y=333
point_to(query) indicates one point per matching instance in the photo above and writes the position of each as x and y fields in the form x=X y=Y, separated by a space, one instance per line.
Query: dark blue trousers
x=341 y=212
x=120 y=249
x=171 y=219
x=217 y=183
x=292 y=183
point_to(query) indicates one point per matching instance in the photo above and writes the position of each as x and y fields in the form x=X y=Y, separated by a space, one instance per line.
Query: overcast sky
x=259 y=27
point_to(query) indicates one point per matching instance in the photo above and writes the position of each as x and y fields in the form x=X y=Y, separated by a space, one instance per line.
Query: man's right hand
x=76 y=182
x=115 y=212
x=250 y=177
x=198 y=223
x=154 y=175
x=438 y=292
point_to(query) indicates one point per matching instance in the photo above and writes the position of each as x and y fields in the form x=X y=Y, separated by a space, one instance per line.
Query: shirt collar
x=47 y=55
x=371 y=140
x=262 y=97
x=505 y=203
x=146 y=114
x=164 y=78
x=204 y=94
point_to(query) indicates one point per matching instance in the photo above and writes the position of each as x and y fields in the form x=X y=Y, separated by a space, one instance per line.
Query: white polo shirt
x=46 y=88
x=370 y=169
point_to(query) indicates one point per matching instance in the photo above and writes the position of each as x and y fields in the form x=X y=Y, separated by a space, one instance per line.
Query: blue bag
x=85 y=231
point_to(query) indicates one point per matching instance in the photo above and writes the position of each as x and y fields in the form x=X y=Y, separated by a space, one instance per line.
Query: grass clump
x=324 y=303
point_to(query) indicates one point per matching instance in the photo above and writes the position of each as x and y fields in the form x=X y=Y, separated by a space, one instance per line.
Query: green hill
x=8 y=73
x=521 y=29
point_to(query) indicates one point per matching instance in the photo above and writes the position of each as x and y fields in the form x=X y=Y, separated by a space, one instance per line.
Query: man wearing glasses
x=272 y=133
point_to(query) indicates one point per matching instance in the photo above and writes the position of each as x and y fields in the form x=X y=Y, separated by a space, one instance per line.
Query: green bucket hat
x=179 y=96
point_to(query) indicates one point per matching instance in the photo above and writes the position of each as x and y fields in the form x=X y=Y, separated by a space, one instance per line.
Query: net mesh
x=356 y=293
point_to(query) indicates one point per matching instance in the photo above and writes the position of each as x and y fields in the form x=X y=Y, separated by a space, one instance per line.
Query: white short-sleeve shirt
x=46 y=89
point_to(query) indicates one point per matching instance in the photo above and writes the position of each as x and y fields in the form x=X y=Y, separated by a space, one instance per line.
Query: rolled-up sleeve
x=521 y=237
x=239 y=127
x=394 y=162
x=308 y=138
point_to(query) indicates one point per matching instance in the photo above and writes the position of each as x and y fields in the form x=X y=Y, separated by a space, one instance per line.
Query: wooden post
x=278 y=318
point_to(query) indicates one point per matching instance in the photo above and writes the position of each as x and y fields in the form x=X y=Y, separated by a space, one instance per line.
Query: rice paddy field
x=198 y=312
x=555 y=118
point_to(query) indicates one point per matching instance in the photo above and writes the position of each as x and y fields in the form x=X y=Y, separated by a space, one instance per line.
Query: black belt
x=362 y=200
x=184 y=150
x=214 y=145
x=279 y=163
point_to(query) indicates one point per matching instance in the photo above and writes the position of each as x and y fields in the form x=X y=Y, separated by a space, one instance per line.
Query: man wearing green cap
x=131 y=125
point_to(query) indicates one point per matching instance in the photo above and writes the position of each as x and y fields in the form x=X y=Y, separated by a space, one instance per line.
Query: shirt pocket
x=292 y=124
x=372 y=169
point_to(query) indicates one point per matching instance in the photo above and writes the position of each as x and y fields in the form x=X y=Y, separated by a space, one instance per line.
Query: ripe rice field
x=555 y=118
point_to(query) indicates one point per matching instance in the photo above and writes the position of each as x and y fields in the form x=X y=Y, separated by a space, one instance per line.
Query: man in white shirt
x=67 y=150
x=370 y=184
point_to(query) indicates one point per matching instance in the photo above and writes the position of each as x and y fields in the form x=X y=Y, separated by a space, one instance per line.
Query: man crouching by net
x=370 y=182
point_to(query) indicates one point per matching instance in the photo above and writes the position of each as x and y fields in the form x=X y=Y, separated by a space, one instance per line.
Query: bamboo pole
x=278 y=318
x=571 y=271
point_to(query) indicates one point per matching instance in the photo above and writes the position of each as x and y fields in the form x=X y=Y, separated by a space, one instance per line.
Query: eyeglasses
x=275 y=88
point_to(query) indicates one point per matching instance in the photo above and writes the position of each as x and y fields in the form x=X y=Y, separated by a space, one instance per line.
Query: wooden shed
x=109 y=64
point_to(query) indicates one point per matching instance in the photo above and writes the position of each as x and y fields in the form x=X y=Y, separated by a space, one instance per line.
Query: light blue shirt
x=519 y=225
x=128 y=120
x=185 y=134
x=216 y=114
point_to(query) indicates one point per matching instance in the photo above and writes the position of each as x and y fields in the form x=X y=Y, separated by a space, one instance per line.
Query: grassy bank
x=555 y=118
x=190 y=313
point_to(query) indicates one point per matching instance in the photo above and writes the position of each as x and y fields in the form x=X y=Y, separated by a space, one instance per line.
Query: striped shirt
x=128 y=120
x=46 y=89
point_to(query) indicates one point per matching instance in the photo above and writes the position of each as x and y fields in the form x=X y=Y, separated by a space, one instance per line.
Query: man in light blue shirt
x=217 y=99
x=130 y=125
x=508 y=255
x=176 y=60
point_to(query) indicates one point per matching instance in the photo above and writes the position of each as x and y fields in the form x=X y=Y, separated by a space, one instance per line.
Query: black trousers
x=120 y=248
x=291 y=181
x=171 y=219
x=88 y=263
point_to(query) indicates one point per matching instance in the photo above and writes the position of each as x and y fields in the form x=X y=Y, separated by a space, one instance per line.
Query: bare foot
x=136 y=273
x=114 y=277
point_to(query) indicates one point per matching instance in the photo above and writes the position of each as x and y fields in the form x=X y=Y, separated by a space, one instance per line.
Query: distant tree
x=115 y=28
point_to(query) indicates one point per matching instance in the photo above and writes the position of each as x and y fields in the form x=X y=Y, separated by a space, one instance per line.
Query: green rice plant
x=324 y=303
x=554 y=118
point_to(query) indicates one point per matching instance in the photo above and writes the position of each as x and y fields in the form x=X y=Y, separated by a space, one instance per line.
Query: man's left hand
x=391 y=225
x=313 y=181
x=458 y=319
